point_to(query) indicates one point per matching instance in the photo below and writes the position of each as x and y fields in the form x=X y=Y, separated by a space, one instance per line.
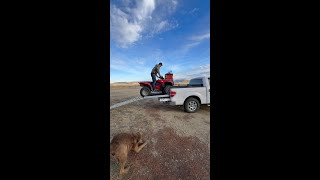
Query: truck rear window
x=196 y=83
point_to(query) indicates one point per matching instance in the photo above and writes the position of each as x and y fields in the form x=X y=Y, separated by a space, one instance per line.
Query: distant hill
x=132 y=84
x=117 y=84
x=181 y=82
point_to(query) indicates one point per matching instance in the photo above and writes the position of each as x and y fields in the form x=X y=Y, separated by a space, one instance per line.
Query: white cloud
x=202 y=68
x=130 y=21
x=122 y=30
x=162 y=25
x=190 y=76
x=126 y=27
x=144 y=9
x=174 y=3
x=201 y=37
x=167 y=7
x=139 y=68
x=135 y=68
x=117 y=64
x=190 y=45
x=193 y=11
x=194 y=41
x=193 y=72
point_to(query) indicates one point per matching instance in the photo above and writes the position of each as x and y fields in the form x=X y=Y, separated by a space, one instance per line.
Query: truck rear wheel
x=191 y=105
x=167 y=89
x=145 y=91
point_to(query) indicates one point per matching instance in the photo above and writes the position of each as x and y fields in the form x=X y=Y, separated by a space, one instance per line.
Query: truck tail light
x=172 y=93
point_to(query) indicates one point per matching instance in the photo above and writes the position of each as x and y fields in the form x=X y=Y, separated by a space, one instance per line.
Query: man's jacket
x=156 y=69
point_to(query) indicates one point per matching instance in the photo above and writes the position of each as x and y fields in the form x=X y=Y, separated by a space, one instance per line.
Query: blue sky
x=146 y=32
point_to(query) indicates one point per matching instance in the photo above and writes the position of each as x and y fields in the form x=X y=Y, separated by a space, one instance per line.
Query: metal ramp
x=138 y=98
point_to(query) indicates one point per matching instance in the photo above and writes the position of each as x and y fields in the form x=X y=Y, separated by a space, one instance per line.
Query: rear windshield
x=196 y=83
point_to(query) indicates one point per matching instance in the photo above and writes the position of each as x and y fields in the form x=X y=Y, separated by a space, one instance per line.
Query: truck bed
x=193 y=86
x=180 y=86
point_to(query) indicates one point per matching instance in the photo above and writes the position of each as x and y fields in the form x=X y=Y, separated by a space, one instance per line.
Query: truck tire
x=167 y=89
x=145 y=91
x=191 y=105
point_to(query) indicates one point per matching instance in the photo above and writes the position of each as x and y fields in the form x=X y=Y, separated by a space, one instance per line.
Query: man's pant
x=153 y=80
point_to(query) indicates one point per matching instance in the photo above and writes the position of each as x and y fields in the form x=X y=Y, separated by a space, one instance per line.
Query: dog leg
x=138 y=148
x=123 y=169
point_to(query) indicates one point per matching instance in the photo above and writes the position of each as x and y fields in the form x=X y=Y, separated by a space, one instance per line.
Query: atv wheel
x=145 y=91
x=191 y=105
x=166 y=89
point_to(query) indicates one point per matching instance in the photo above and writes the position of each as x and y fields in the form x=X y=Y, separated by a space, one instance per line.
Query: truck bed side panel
x=183 y=93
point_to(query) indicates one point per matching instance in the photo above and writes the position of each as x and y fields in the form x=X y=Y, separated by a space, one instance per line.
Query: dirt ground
x=178 y=142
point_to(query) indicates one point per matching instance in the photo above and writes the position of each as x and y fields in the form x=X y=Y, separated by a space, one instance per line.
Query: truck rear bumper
x=167 y=100
x=173 y=103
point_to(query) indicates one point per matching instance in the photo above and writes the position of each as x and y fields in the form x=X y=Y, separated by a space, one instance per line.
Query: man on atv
x=155 y=71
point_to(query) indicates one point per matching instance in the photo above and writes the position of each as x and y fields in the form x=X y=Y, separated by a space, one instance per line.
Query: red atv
x=162 y=85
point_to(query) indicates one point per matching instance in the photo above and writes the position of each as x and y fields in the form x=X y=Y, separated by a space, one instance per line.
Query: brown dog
x=122 y=144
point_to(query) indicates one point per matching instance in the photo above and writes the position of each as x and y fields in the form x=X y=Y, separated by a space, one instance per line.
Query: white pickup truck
x=197 y=92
